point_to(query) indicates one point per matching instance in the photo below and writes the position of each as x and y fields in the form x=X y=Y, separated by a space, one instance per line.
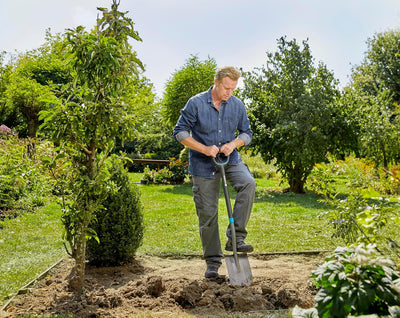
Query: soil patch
x=161 y=287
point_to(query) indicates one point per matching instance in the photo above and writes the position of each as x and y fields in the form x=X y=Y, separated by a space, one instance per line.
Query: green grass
x=280 y=222
x=29 y=244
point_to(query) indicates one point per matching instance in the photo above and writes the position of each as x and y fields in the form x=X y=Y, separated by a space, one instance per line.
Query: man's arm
x=191 y=143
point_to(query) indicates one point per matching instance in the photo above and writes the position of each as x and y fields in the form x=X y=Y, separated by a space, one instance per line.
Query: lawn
x=29 y=244
x=280 y=222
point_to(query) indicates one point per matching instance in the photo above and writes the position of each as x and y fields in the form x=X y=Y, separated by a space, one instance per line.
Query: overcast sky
x=233 y=32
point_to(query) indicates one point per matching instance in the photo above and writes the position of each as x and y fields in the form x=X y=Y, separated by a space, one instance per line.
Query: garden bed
x=172 y=287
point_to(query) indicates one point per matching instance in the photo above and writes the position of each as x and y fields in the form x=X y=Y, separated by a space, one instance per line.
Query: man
x=208 y=126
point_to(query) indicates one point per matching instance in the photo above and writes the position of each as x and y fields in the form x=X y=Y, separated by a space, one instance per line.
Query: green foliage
x=355 y=219
x=373 y=98
x=291 y=109
x=357 y=281
x=361 y=215
x=160 y=142
x=175 y=173
x=24 y=184
x=381 y=65
x=29 y=87
x=119 y=223
x=29 y=97
x=389 y=180
x=194 y=77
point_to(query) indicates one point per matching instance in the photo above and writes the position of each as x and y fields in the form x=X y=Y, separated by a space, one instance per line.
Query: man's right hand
x=211 y=151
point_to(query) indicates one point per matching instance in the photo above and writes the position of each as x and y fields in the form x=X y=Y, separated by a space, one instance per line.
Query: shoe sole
x=211 y=275
x=240 y=251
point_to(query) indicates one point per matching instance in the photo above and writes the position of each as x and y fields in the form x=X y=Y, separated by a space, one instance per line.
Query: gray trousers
x=206 y=195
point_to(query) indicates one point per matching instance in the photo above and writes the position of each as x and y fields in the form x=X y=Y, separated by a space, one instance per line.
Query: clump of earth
x=171 y=287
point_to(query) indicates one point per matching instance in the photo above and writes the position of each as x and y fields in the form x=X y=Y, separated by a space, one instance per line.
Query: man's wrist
x=238 y=143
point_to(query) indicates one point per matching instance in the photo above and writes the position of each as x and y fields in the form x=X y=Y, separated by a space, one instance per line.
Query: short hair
x=229 y=71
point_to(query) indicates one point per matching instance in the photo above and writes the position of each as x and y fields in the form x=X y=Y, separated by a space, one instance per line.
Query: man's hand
x=211 y=151
x=228 y=148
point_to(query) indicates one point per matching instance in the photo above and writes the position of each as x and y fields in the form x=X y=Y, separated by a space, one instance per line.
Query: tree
x=374 y=98
x=292 y=113
x=91 y=114
x=29 y=97
x=29 y=88
x=194 y=77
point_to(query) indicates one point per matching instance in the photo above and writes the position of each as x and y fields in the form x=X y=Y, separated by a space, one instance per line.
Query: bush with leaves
x=353 y=282
x=362 y=216
x=23 y=183
x=119 y=224
x=175 y=173
x=357 y=281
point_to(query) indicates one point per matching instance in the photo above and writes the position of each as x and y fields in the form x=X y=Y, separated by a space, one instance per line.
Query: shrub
x=119 y=224
x=24 y=184
x=358 y=282
x=389 y=180
x=355 y=282
x=174 y=174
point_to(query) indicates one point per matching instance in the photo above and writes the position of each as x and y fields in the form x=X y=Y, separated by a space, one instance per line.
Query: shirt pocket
x=230 y=123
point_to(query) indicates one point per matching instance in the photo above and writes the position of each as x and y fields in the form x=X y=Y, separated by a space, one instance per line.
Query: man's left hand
x=228 y=148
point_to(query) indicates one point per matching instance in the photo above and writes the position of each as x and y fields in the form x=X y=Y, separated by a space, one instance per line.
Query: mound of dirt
x=171 y=287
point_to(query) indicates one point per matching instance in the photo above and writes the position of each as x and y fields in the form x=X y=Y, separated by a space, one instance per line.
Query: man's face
x=225 y=88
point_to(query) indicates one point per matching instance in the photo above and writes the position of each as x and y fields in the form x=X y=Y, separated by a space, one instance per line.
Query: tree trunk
x=297 y=186
x=77 y=281
x=296 y=180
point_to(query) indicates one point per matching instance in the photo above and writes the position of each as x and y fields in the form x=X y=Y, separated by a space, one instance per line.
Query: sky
x=233 y=32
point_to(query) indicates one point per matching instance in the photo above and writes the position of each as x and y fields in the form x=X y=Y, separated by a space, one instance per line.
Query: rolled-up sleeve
x=185 y=122
x=181 y=135
x=244 y=130
x=246 y=138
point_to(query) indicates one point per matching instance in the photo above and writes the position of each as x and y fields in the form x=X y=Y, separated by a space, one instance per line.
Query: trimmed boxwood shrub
x=119 y=225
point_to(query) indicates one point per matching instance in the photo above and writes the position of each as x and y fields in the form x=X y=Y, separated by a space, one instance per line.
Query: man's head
x=225 y=81
x=229 y=71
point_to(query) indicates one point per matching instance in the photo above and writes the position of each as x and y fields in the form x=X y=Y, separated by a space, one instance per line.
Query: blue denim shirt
x=201 y=120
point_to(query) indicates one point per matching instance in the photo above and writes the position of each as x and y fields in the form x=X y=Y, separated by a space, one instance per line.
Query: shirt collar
x=210 y=100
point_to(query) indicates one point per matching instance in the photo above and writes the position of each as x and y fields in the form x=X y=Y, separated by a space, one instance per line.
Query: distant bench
x=159 y=163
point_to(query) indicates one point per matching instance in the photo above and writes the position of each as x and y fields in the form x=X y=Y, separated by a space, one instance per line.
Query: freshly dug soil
x=159 y=287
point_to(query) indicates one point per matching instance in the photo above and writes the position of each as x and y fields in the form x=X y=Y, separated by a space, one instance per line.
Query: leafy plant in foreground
x=358 y=282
